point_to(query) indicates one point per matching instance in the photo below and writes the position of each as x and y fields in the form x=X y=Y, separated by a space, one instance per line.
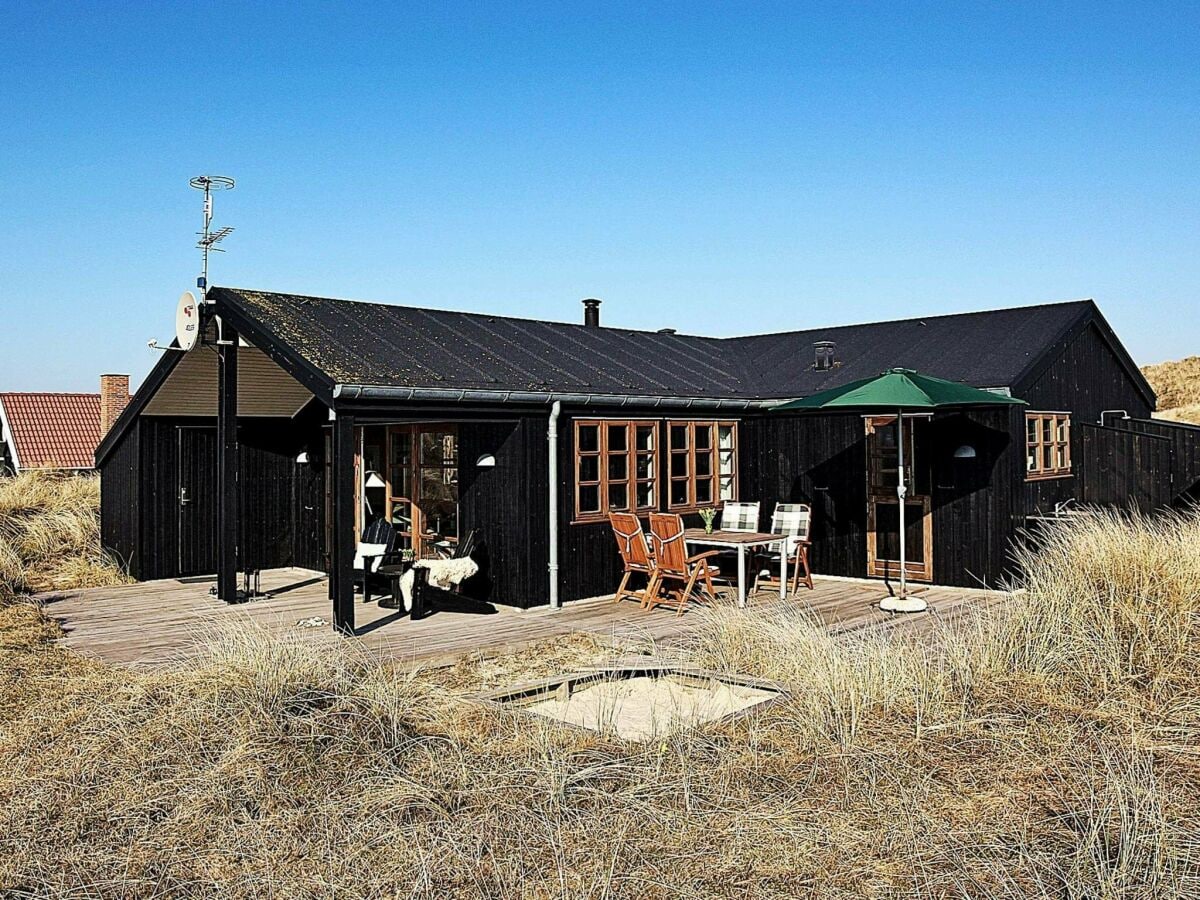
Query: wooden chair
x=379 y=547
x=635 y=555
x=740 y=516
x=672 y=565
x=794 y=520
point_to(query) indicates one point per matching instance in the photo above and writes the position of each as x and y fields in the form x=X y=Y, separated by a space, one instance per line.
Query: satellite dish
x=187 y=321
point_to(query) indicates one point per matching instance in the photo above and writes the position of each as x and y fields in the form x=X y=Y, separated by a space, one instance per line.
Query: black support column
x=342 y=577
x=227 y=466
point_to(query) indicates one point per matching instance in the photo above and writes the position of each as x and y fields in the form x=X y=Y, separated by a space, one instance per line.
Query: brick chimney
x=114 y=397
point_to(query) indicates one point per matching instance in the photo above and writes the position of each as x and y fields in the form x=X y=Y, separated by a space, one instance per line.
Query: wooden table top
x=698 y=536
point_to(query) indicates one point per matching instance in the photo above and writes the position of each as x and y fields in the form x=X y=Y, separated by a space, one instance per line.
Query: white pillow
x=374 y=550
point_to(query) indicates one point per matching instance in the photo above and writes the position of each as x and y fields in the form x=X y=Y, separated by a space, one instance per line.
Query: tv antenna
x=209 y=238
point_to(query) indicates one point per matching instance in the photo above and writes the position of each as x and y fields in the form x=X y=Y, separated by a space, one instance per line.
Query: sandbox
x=637 y=703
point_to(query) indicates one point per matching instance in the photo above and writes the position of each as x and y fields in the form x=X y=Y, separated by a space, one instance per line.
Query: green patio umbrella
x=899 y=391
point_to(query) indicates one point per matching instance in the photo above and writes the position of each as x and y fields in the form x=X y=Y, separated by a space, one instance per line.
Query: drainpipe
x=552 y=442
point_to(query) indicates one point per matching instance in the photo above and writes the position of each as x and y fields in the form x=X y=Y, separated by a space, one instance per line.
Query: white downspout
x=552 y=442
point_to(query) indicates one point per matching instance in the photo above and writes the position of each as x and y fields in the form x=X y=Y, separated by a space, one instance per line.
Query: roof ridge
x=734 y=337
x=458 y=312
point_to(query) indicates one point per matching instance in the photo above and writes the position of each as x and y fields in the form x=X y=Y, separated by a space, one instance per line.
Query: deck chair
x=673 y=566
x=379 y=547
x=740 y=516
x=635 y=555
x=427 y=598
x=794 y=520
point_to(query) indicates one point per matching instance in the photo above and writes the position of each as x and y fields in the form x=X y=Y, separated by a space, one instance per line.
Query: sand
x=644 y=707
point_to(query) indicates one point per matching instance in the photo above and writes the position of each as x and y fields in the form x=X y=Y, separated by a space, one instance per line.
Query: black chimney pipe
x=591 y=312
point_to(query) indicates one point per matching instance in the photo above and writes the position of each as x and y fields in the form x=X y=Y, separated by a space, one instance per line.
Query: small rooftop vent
x=825 y=355
x=591 y=312
x=666 y=331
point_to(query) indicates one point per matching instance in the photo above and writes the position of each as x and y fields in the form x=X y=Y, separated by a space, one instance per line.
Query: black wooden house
x=298 y=420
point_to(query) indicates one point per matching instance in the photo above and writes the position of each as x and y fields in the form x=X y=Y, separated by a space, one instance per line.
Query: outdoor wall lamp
x=966 y=451
x=302 y=457
x=486 y=461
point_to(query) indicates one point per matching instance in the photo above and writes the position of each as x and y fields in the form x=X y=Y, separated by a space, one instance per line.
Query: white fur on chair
x=443 y=573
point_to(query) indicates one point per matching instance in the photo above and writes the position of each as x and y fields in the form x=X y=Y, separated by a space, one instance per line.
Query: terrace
x=156 y=624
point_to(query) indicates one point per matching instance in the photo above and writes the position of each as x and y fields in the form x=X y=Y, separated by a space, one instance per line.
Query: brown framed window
x=1047 y=445
x=702 y=464
x=616 y=467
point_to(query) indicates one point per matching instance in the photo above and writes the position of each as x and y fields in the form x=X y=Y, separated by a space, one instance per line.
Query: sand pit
x=638 y=705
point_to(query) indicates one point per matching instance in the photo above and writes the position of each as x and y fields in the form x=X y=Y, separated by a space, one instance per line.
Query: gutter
x=453 y=395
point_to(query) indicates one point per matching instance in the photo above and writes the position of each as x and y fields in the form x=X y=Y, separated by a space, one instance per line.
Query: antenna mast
x=209 y=238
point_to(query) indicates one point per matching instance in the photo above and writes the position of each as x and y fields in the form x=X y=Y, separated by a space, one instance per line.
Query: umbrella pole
x=902 y=602
x=901 y=490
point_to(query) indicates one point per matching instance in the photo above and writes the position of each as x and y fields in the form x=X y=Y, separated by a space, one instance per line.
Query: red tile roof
x=53 y=431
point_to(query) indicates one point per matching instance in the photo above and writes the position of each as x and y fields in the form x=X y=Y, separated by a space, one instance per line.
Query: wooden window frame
x=602 y=454
x=690 y=477
x=1039 y=445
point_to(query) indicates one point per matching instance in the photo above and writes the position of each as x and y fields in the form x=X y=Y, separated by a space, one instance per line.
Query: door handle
x=184 y=499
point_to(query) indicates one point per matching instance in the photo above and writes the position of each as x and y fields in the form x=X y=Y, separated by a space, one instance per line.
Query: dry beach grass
x=1046 y=747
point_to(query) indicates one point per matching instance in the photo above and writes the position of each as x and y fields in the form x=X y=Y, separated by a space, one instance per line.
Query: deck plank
x=160 y=623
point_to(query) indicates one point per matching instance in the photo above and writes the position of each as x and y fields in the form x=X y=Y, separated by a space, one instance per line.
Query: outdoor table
x=741 y=541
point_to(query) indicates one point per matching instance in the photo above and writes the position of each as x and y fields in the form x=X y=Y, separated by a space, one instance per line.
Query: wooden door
x=196 y=497
x=883 y=506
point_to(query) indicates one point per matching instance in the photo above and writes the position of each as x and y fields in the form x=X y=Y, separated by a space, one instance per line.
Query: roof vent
x=825 y=355
x=591 y=312
x=666 y=331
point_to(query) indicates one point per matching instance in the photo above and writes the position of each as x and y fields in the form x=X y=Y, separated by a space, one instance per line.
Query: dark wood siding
x=1123 y=468
x=508 y=505
x=1185 y=444
x=977 y=502
x=1084 y=378
x=281 y=511
x=119 y=502
x=819 y=460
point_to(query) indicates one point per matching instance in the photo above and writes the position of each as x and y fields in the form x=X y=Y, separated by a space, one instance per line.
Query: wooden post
x=343 y=536
x=227 y=467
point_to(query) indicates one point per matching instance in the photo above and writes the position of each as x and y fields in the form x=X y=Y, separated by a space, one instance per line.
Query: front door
x=883 y=506
x=196 y=498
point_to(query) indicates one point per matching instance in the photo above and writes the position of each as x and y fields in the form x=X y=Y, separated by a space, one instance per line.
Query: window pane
x=726 y=462
x=726 y=487
x=725 y=437
x=618 y=467
x=679 y=493
x=645 y=437
x=617 y=437
x=645 y=465
x=589 y=468
x=704 y=492
x=1031 y=429
x=439 y=448
x=679 y=465
x=1047 y=426
x=703 y=437
x=1031 y=458
x=589 y=498
x=1047 y=457
x=645 y=494
x=679 y=437
x=703 y=464
x=589 y=438
x=618 y=496
x=1060 y=457
x=1062 y=429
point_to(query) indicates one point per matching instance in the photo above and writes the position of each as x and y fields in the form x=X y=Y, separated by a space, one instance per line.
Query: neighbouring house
x=58 y=431
x=301 y=420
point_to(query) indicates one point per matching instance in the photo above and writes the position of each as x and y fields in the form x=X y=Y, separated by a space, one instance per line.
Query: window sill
x=1048 y=476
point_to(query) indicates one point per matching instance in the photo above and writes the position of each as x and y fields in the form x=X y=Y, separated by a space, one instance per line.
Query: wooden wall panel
x=119 y=489
x=1123 y=468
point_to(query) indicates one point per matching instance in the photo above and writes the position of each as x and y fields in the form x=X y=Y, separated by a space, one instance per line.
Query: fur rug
x=443 y=573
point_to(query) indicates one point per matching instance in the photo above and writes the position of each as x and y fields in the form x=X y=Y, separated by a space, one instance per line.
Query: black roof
x=350 y=342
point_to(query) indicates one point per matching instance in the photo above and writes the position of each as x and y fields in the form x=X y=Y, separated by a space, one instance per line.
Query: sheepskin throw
x=443 y=573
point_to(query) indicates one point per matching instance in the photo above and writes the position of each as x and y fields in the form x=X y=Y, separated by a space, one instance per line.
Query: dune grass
x=1049 y=746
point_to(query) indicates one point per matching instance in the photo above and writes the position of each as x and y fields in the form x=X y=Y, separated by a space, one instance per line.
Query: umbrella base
x=903 y=604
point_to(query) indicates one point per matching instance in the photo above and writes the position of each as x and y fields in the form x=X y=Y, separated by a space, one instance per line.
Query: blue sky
x=720 y=168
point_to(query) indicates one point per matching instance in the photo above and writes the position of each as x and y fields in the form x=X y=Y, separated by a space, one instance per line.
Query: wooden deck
x=159 y=623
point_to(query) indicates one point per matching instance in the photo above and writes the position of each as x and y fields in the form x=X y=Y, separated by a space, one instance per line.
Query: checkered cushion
x=794 y=520
x=739 y=517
